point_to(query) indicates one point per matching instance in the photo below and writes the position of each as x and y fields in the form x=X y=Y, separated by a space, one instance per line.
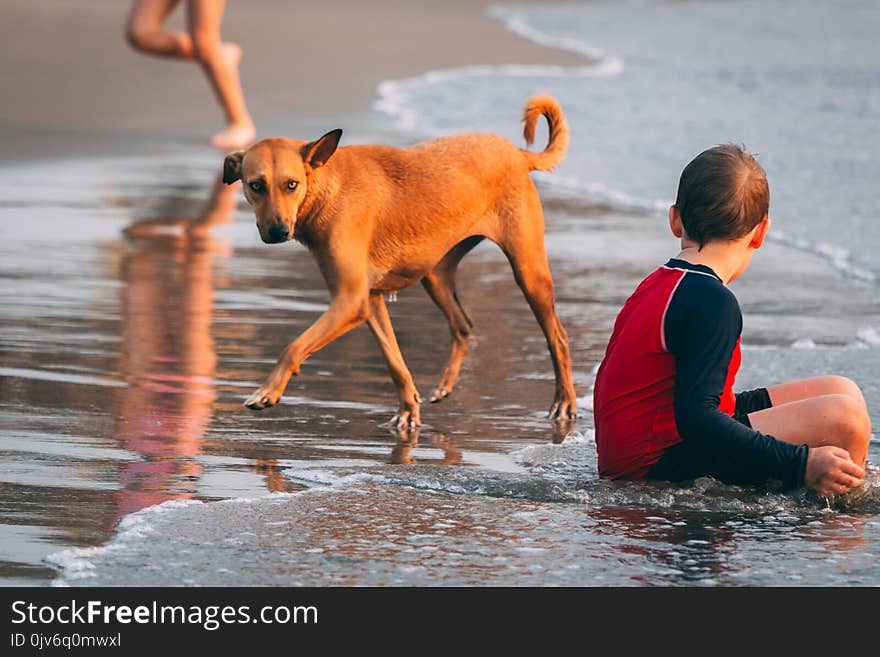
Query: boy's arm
x=702 y=326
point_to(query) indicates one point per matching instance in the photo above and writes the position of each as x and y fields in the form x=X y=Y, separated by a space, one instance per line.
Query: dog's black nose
x=279 y=232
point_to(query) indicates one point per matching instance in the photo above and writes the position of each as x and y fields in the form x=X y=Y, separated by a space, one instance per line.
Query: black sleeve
x=702 y=326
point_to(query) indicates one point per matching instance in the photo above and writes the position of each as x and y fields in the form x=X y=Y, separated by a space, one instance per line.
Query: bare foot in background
x=202 y=43
x=239 y=133
x=236 y=135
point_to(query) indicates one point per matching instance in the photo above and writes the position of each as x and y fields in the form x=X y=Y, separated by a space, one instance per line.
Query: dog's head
x=275 y=178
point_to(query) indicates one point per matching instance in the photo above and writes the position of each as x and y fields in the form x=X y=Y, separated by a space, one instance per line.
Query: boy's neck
x=718 y=256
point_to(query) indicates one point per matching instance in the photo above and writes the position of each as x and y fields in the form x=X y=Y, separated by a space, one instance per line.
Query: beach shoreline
x=129 y=345
x=83 y=92
x=86 y=107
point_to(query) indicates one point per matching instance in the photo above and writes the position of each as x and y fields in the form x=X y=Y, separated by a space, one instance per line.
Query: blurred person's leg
x=144 y=30
x=220 y=62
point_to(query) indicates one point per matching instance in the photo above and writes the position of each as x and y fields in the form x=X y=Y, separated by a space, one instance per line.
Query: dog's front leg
x=380 y=323
x=346 y=311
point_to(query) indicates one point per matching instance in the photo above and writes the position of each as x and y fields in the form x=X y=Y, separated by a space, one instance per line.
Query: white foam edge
x=392 y=97
x=321 y=478
x=866 y=337
x=515 y=21
x=330 y=481
x=77 y=563
x=576 y=440
x=839 y=258
x=600 y=192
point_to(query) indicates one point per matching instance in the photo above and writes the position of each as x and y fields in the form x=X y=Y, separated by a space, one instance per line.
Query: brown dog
x=379 y=219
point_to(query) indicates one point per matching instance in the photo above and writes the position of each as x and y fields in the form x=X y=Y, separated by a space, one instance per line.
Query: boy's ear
x=760 y=233
x=675 y=222
x=318 y=152
x=232 y=167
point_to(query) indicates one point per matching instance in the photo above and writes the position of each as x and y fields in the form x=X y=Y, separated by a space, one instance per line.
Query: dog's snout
x=279 y=232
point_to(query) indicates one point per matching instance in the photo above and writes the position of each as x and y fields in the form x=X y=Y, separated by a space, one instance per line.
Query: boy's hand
x=831 y=471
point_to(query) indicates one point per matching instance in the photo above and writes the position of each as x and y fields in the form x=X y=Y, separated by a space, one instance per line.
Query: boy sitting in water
x=664 y=404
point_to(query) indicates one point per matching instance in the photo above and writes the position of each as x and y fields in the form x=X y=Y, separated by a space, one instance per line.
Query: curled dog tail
x=558 y=143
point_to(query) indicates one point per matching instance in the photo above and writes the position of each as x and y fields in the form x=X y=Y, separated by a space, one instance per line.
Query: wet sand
x=128 y=346
x=75 y=87
x=121 y=387
x=139 y=309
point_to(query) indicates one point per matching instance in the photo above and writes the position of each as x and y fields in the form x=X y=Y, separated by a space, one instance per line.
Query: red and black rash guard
x=667 y=378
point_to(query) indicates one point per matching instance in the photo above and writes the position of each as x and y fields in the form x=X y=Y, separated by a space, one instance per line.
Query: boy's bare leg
x=815 y=387
x=834 y=419
x=218 y=210
x=220 y=62
x=144 y=30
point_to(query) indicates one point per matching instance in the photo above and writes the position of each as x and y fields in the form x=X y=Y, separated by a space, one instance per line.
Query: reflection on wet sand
x=686 y=549
x=408 y=440
x=169 y=360
x=167 y=353
x=124 y=363
x=689 y=549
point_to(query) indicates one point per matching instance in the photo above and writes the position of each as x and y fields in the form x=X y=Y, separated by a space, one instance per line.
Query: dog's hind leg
x=380 y=324
x=440 y=285
x=523 y=244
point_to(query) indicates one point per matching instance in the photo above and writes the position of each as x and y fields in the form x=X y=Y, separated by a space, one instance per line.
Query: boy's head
x=722 y=195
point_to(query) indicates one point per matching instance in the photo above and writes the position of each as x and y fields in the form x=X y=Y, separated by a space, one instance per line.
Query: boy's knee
x=206 y=45
x=849 y=419
x=844 y=386
x=138 y=35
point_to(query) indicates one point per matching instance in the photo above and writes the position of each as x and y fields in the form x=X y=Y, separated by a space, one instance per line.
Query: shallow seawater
x=554 y=524
x=798 y=83
x=139 y=308
x=130 y=342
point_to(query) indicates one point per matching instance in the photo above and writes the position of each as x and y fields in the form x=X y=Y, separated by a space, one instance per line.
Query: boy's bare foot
x=241 y=133
x=831 y=471
x=236 y=135
x=232 y=53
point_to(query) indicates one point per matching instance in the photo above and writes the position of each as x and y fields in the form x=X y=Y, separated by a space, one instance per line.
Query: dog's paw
x=260 y=400
x=563 y=409
x=439 y=395
x=405 y=420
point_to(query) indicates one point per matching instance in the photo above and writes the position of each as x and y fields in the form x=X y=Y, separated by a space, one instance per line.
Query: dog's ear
x=232 y=167
x=318 y=152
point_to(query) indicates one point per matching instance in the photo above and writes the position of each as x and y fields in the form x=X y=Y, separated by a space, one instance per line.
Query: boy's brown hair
x=722 y=194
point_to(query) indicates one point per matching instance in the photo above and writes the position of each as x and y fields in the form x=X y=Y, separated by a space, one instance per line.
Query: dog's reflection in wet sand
x=408 y=440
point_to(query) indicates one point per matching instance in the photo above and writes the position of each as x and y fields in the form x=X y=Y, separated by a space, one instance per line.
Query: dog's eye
x=291 y=185
x=257 y=186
